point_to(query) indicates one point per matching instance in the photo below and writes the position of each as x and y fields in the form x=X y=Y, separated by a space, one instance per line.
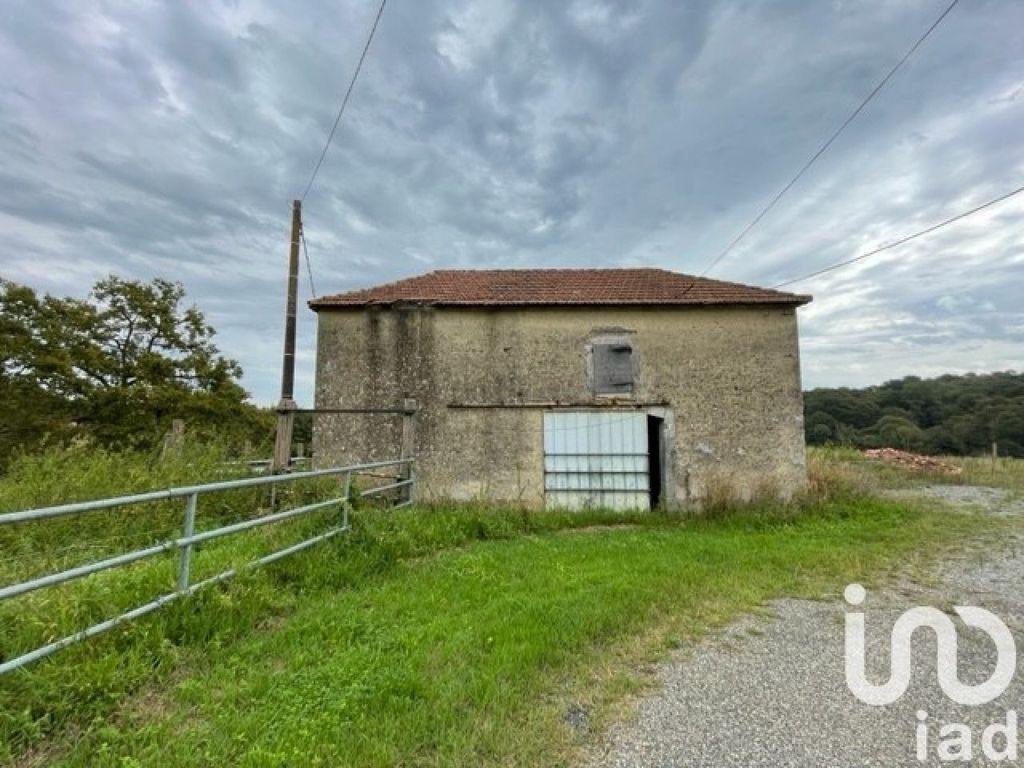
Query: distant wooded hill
x=958 y=415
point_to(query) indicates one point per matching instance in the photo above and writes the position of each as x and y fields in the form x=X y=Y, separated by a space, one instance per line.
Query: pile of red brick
x=913 y=461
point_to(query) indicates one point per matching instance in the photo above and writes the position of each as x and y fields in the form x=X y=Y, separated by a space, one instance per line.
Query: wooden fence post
x=174 y=439
x=283 y=439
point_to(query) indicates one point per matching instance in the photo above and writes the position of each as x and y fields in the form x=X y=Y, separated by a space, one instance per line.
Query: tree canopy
x=960 y=415
x=118 y=367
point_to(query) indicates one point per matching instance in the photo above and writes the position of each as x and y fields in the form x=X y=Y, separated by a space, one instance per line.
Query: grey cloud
x=197 y=47
x=168 y=139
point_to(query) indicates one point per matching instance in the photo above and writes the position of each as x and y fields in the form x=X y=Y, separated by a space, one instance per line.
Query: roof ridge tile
x=557 y=287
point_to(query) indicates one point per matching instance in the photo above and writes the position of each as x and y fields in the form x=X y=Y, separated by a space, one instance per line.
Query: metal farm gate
x=184 y=545
x=597 y=459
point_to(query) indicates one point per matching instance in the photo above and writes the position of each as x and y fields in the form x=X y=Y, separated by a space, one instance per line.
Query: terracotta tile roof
x=557 y=287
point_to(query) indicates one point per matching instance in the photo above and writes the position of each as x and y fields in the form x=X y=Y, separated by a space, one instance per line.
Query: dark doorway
x=654 y=453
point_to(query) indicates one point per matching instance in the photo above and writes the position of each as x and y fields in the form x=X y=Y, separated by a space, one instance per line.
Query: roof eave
x=796 y=300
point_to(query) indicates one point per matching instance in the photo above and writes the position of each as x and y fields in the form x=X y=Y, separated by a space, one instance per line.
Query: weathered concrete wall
x=728 y=378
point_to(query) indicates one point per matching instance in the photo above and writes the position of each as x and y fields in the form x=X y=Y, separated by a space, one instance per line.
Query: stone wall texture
x=726 y=379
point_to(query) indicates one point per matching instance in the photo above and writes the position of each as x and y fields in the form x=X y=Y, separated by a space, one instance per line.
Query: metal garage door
x=596 y=459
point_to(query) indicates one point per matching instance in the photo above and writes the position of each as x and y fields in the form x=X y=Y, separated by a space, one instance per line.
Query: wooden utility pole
x=286 y=406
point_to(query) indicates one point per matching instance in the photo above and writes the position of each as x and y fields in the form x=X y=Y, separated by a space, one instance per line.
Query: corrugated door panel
x=596 y=459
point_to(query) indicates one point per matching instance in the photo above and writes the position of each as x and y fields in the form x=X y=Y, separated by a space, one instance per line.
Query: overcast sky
x=167 y=139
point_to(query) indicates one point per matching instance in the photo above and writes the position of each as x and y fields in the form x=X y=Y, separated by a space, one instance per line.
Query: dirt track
x=772 y=691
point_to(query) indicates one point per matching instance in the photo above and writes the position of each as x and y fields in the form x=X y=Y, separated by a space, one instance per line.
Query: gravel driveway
x=772 y=691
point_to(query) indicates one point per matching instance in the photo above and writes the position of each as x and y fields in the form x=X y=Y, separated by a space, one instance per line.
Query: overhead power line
x=824 y=147
x=344 y=101
x=902 y=240
x=309 y=267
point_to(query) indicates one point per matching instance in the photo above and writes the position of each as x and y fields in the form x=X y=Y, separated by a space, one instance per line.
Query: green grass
x=1006 y=473
x=430 y=636
x=81 y=686
x=470 y=656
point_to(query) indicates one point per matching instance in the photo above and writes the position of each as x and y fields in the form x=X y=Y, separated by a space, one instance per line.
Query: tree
x=899 y=432
x=119 y=365
x=949 y=414
x=846 y=406
x=939 y=440
x=821 y=428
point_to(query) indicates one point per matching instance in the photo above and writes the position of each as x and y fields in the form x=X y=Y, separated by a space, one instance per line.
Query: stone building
x=621 y=388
